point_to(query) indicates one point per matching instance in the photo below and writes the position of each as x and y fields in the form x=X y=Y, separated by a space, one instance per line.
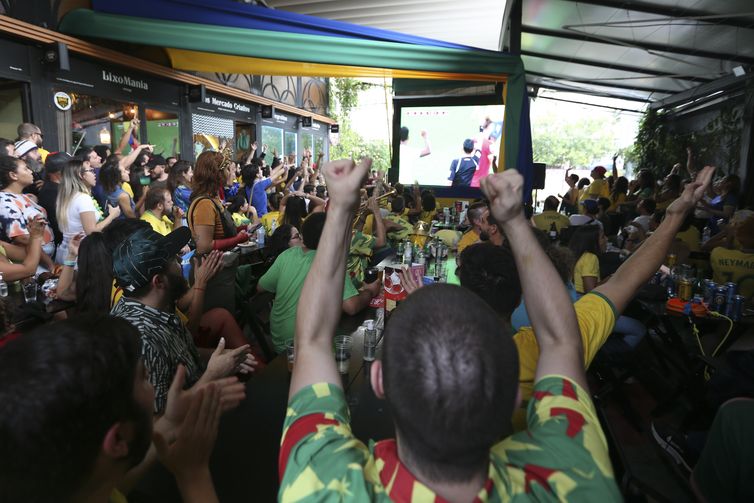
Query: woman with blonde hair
x=76 y=209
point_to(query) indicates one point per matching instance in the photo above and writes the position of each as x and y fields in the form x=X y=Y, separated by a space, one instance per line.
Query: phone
x=145 y=180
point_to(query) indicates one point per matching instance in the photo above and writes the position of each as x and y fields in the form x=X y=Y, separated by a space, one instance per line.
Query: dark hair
x=476 y=210
x=603 y=203
x=673 y=183
x=490 y=272
x=397 y=205
x=583 y=183
x=249 y=174
x=404 y=133
x=295 y=211
x=585 y=239
x=311 y=230
x=4 y=146
x=574 y=177
x=320 y=191
x=646 y=179
x=274 y=200
x=8 y=165
x=94 y=281
x=154 y=197
x=102 y=151
x=461 y=403
x=279 y=239
x=551 y=203
x=648 y=204
x=109 y=175
x=80 y=377
x=560 y=256
x=620 y=187
x=735 y=184
x=83 y=154
x=237 y=202
x=55 y=162
x=208 y=177
x=428 y=202
x=468 y=145
x=308 y=188
x=179 y=169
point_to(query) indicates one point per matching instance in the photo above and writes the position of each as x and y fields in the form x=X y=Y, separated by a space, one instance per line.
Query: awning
x=231 y=37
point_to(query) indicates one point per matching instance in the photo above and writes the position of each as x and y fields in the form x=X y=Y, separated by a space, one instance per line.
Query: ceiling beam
x=608 y=85
x=670 y=11
x=567 y=89
x=590 y=104
x=724 y=84
x=613 y=66
x=649 y=46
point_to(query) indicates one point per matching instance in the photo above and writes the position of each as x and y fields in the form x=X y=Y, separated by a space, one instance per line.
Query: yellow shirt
x=615 y=204
x=544 y=220
x=449 y=237
x=368 y=225
x=587 y=265
x=736 y=266
x=426 y=216
x=162 y=226
x=468 y=239
x=127 y=187
x=596 y=317
x=691 y=238
x=270 y=220
x=597 y=189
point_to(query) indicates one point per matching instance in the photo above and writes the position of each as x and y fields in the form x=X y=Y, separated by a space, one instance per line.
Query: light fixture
x=104 y=136
x=739 y=71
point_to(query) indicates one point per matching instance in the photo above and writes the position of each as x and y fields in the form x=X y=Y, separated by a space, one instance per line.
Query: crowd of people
x=151 y=352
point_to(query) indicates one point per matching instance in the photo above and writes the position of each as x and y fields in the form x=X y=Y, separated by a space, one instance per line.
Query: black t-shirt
x=48 y=196
x=462 y=171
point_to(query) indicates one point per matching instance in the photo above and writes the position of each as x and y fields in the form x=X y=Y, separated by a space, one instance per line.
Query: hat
x=156 y=160
x=56 y=161
x=590 y=205
x=600 y=169
x=23 y=147
x=144 y=254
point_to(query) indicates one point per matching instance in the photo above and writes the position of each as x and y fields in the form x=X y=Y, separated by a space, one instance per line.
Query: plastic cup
x=29 y=286
x=343 y=352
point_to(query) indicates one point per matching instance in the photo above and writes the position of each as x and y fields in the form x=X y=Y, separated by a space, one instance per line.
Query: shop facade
x=289 y=136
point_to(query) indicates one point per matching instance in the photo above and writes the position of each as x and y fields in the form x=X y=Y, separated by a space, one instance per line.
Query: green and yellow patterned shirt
x=406 y=229
x=362 y=247
x=561 y=457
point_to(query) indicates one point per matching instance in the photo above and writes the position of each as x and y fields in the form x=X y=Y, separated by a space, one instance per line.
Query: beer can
x=718 y=301
x=684 y=289
x=737 y=308
x=698 y=299
x=731 y=293
x=709 y=292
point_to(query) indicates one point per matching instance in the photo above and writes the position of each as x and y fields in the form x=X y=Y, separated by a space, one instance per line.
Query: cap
x=600 y=169
x=56 y=161
x=590 y=205
x=144 y=254
x=156 y=160
x=23 y=147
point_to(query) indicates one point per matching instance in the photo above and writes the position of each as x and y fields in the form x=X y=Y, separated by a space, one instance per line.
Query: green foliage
x=344 y=97
x=561 y=140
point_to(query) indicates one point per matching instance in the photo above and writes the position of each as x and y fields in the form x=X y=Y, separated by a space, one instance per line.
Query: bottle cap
x=369 y=324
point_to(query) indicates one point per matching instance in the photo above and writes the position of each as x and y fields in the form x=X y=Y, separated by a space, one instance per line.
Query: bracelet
x=69 y=263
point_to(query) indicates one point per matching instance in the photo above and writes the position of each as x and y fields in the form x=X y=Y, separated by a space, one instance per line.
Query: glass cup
x=29 y=286
x=343 y=352
x=370 y=343
x=290 y=352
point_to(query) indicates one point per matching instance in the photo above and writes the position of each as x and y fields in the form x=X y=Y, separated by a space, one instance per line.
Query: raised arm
x=647 y=259
x=547 y=301
x=126 y=136
x=319 y=310
x=127 y=160
x=379 y=224
x=615 y=166
x=427 y=148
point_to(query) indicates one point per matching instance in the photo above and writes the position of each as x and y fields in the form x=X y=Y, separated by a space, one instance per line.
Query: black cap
x=144 y=254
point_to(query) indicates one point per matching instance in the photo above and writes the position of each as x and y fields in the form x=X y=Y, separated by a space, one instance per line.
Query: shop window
x=319 y=146
x=210 y=133
x=307 y=143
x=163 y=131
x=245 y=136
x=291 y=142
x=273 y=138
x=11 y=108
x=93 y=121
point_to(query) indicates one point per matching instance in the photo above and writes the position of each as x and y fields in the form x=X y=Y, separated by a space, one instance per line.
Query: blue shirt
x=259 y=196
x=112 y=200
x=520 y=318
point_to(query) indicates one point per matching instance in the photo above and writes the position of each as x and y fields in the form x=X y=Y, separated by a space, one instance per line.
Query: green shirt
x=286 y=279
x=561 y=457
x=362 y=248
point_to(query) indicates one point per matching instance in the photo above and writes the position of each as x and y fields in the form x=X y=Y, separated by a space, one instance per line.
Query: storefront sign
x=236 y=110
x=227 y=104
x=62 y=100
x=124 y=80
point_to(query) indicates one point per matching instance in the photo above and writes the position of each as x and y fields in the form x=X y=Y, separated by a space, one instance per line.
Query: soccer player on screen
x=409 y=154
x=462 y=169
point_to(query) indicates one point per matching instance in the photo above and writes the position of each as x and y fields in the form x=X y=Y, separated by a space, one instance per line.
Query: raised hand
x=693 y=192
x=113 y=211
x=344 y=179
x=74 y=244
x=408 y=282
x=372 y=205
x=224 y=362
x=504 y=191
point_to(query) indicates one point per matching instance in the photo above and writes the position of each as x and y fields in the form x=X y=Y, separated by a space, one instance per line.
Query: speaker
x=56 y=56
x=539 y=172
x=267 y=111
x=334 y=128
x=197 y=93
x=306 y=121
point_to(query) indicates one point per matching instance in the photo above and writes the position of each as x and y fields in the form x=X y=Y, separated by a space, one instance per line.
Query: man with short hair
x=492 y=232
x=449 y=376
x=146 y=267
x=90 y=155
x=158 y=205
x=477 y=217
x=158 y=172
x=48 y=194
x=490 y=277
x=550 y=215
x=462 y=169
x=90 y=423
x=32 y=133
x=599 y=186
x=286 y=279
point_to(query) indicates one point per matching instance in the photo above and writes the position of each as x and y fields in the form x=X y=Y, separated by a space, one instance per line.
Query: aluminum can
x=731 y=293
x=718 y=301
x=698 y=299
x=684 y=289
x=709 y=292
x=736 y=309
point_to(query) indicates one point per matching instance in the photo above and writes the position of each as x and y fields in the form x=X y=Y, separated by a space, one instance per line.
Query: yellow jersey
x=467 y=240
x=544 y=220
x=736 y=266
x=587 y=265
x=163 y=226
